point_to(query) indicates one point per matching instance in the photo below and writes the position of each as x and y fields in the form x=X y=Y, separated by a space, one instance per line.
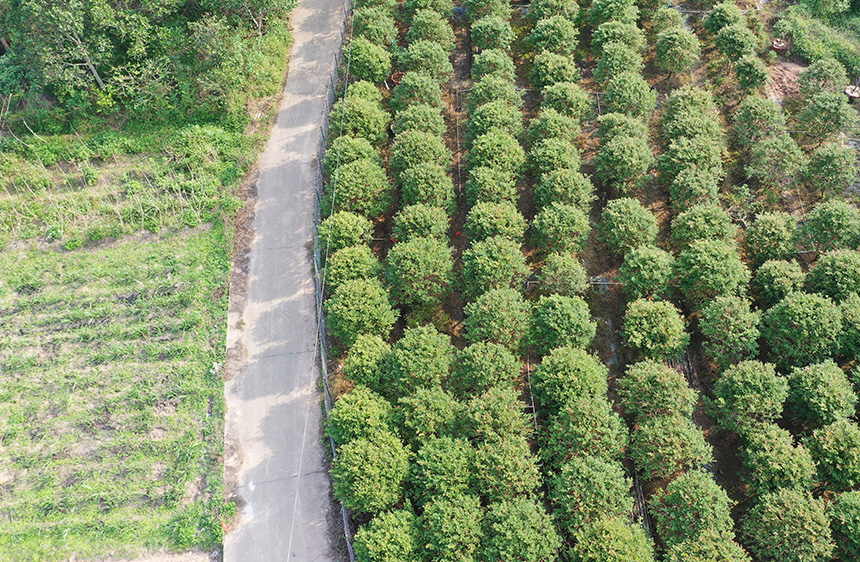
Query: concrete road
x=275 y=455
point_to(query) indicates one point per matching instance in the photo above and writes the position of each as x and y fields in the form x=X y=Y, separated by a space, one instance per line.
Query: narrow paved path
x=275 y=451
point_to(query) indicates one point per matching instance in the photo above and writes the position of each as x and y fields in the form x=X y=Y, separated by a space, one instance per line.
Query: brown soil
x=783 y=80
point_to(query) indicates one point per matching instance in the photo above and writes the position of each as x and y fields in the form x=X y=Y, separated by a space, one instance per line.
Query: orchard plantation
x=592 y=273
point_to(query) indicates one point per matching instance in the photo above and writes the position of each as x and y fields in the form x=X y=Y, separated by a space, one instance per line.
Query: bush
x=362 y=89
x=664 y=445
x=711 y=268
x=519 y=529
x=832 y=168
x=630 y=94
x=362 y=187
x=389 y=5
x=494 y=88
x=552 y=124
x=416 y=88
x=493 y=63
x=827 y=114
x=832 y=225
x=492 y=32
x=615 y=31
x=419 y=271
x=802 y=329
x=850 y=309
x=646 y=272
x=723 y=15
x=431 y=26
x=756 y=119
x=495 y=414
x=361 y=118
x=421 y=117
x=560 y=228
x=422 y=358
x=484 y=365
x=361 y=413
x=775 y=279
x=585 y=427
x=341 y=230
x=702 y=222
x=389 y=536
x=487 y=219
x=836 y=275
x=790 y=526
x=772 y=461
x=412 y=148
x=359 y=307
x=730 y=329
x=823 y=75
x=376 y=24
x=354 y=262
x=369 y=61
x=820 y=394
x=545 y=8
x=689 y=112
x=612 y=540
x=751 y=73
x=494 y=263
x=428 y=57
x=420 y=221
x=735 y=41
x=363 y=364
x=499 y=150
x=561 y=321
x=552 y=68
x=567 y=98
x=836 y=450
x=427 y=413
x=450 y=528
x=443 y=468
x=552 y=154
x=429 y=184
x=844 y=514
x=664 y=19
x=617 y=58
x=477 y=9
x=776 y=163
x=652 y=389
x=677 y=50
x=441 y=7
x=708 y=547
x=586 y=489
x=564 y=275
x=770 y=237
x=505 y=468
x=495 y=115
x=693 y=185
x=500 y=316
x=368 y=474
x=688 y=151
x=346 y=149
x=487 y=183
x=608 y=10
x=626 y=224
x=567 y=374
x=613 y=125
x=654 y=329
x=565 y=186
x=691 y=506
x=623 y=161
x=748 y=395
x=555 y=34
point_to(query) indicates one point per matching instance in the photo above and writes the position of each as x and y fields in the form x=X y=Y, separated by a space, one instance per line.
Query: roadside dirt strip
x=275 y=463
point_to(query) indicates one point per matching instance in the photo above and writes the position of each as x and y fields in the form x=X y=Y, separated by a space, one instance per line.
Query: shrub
x=361 y=413
x=691 y=506
x=827 y=114
x=368 y=474
x=362 y=187
x=711 y=268
x=615 y=31
x=363 y=364
x=836 y=275
x=499 y=150
x=612 y=540
x=346 y=149
x=484 y=365
x=421 y=117
x=693 y=185
x=552 y=154
x=608 y=10
x=612 y=125
x=678 y=50
x=493 y=63
x=450 y=528
x=545 y=8
x=689 y=112
x=359 y=307
x=500 y=316
x=664 y=445
x=688 y=151
x=492 y=32
x=416 y=88
x=494 y=88
x=623 y=161
x=361 y=118
x=392 y=535
x=832 y=168
x=552 y=124
x=563 y=274
x=617 y=59
x=441 y=7
x=735 y=41
x=629 y=93
x=354 y=262
x=495 y=115
x=820 y=394
x=770 y=237
x=477 y=9
x=654 y=329
x=626 y=224
x=494 y=263
x=730 y=329
x=775 y=279
x=519 y=529
x=823 y=75
x=850 y=309
x=495 y=414
x=419 y=271
x=555 y=34
x=560 y=228
x=376 y=24
x=586 y=489
x=420 y=221
x=646 y=272
x=429 y=184
x=723 y=15
x=428 y=57
x=790 y=526
x=389 y=5
x=666 y=18
x=566 y=374
x=416 y=147
x=756 y=119
x=751 y=73
x=553 y=68
x=708 y=547
x=427 y=413
x=487 y=183
x=584 y=427
x=422 y=358
x=748 y=395
x=652 y=389
x=802 y=329
x=561 y=321
x=844 y=514
x=430 y=25
x=776 y=162
x=702 y=222
x=443 y=468
x=505 y=468
x=369 y=61
x=565 y=186
x=487 y=219
x=772 y=461
x=836 y=450
x=832 y=225
x=567 y=98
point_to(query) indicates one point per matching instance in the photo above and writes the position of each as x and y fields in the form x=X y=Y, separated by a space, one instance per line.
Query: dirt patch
x=783 y=80
x=157 y=557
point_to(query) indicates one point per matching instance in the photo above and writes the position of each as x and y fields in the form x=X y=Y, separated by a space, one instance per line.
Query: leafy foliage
x=626 y=224
x=652 y=389
x=585 y=427
x=553 y=68
x=443 y=468
x=568 y=373
x=560 y=320
x=770 y=237
x=354 y=262
x=450 y=528
x=790 y=526
x=519 y=529
x=654 y=329
x=802 y=329
x=844 y=514
x=629 y=93
x=369 y=473
x=420 y=221
x=708 y=547
x=357 y=307
x=749 y=394
x=426 y=413
x=363 y=364
x=494 y=263
x=560 y=228
x=491 y=32
x=663 y=445
x=500 y=316
x=586 y=489
x=361 y=187
x=487 y=219
x=711 y=268
x=369 y=61
x=505 y=468
x=775 y=279
x=388 y=537
x=430 y=25
x=836 y=450
x=361 y=413
x=820 y=394
x=563 y=274
x=421 y=358
x=566 y=186
x=831 y=225
x=646 y=272
x=836 y=275
x=419 y=270
x=612 y=540
x=567 y=98
x=483 y=365
x=691 y=506
x=678 y=50
x=702 y=222
x=730 y=329
x=772 y=461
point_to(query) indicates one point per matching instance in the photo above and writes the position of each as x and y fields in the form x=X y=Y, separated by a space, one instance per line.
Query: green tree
x=481 y=366
x=369 y=61
x=702 y=222
x=566 y=186
x=756 y=119
x=388 y=537
x=495 y=414
x=730 y=329
x=568 y=373
x=555 y=34
x=358 y=307
x=361 y=413
x=629 y=93
x=443 y=468
x=691 y=506
x=693 y=185
x=487 y=219
x=748 y=395
x=427 y=183
x=614 y=31
x=560 y=320
x=430 y=25
x=477 y=9
x=832 y=168
x=678 y=50
x=568 y=98
x=612 y=540
x=836 y=275
x=426 y=56
x=646 y=272
x=551 y=123
x=505 y=468
x=711 y=268
x=563 y=274
x=844 y=514
x=560 y=228
x=492 y=32
x=497 y=114
x=776 y=163
x=368 y=474
x=664 y=445
x=552 y=154
x=735 y=41
x=617 y=59
x=585 y=427
x=426 y=413
x=420 y=221
x=775 y=279
x=494 y=263
x=802 y=329
x=708 y=547
x=654 y=329
x=789 y=526
x=586 y=489
x=770 y=237
x=545 y=8
x=363 y=364
x=355 y=262
x=666 y=18
x=450 y=528
x=441 y=7
x=416 y=88
x=850 y=309
x=552 y=68
x=772 y=461
x=652 y=389
x=499 y=150
x=723 y=15
x=823 y=75
x=493 y=63
x=494 y=88
x=412 y=148
x=519 y=530
x=832 y=225
x=359 y=187
x=626 y=224
x=500 y=316
x=419 y=271
x=827 y=114
x=422 y=358
x=376 y=24
x=623 y=161
x=488 y=183
x=751 y=73
x=423 y=117
x=346 y=149
x=361 y=118
x=836 y=450
x=607 y=10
